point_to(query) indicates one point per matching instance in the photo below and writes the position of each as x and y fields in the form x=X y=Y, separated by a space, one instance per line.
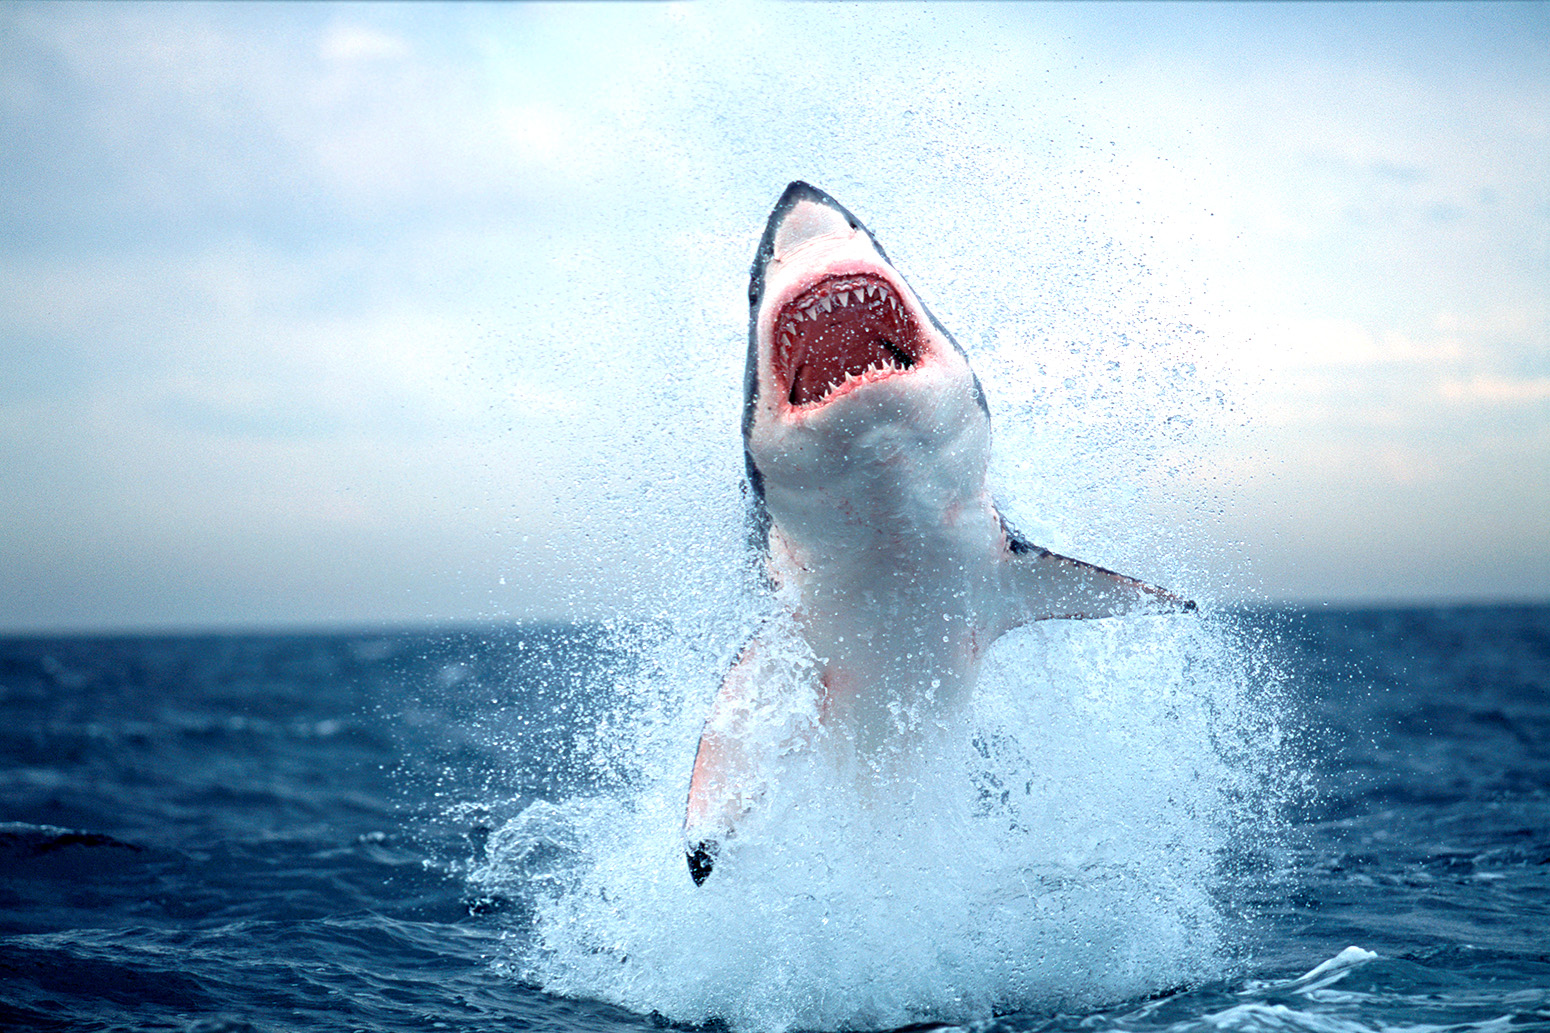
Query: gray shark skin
x=866 y=437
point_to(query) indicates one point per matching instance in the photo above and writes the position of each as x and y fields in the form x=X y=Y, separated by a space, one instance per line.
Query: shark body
x=867 y=443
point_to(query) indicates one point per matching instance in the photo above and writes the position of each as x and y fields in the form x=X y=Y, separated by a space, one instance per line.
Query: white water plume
x=1063 y=843
x=1062 y=846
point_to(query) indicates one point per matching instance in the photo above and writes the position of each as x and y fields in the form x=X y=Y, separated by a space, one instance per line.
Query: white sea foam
x=1059 y=846
x=1337 y=966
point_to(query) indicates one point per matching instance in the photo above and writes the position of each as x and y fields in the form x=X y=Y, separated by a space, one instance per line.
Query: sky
x=359 y=315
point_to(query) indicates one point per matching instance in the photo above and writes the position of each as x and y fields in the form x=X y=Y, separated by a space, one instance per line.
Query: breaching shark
x=866 y=436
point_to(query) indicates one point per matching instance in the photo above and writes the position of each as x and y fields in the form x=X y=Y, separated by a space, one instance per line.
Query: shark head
x=846 y=367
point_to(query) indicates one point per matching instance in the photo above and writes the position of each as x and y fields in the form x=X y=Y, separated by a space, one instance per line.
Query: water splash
x=1069 y=839
x=1061 y=846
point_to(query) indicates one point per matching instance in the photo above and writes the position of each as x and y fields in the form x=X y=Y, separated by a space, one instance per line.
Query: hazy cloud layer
x=356 y=313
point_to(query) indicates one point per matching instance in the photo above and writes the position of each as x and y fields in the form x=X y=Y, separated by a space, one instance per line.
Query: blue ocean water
x=405 y=832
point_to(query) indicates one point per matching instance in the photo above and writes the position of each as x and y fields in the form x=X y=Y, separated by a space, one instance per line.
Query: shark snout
x=809 y=215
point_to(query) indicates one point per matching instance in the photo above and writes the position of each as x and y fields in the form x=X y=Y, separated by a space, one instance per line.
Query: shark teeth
x=876 y=371
x=843 y=331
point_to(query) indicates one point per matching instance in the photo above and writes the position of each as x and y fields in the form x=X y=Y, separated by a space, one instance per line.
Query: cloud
x=348 y=42
x=395 y=279
x=1495 y=391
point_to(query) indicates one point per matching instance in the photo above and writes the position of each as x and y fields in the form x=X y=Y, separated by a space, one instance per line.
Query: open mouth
x=846 y=328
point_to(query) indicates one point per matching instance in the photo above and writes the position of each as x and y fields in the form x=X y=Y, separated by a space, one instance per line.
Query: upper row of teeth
x=844 y=298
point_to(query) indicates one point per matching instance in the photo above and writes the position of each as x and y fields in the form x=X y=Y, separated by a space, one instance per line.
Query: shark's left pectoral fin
x=1041 y=585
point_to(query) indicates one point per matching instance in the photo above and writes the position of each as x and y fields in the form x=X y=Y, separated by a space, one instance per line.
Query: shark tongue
x=849 y=326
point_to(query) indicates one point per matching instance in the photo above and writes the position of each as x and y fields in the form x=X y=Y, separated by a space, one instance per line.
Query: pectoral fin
x=724 y=774
x=1041 y=585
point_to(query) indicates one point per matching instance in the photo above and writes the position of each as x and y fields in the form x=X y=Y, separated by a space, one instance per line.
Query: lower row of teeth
x=884 y=367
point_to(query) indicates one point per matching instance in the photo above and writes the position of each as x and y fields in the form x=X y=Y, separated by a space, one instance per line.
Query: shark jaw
x=841 y=333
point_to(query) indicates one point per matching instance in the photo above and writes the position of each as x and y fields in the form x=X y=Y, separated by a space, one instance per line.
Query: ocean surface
x=1318 y=820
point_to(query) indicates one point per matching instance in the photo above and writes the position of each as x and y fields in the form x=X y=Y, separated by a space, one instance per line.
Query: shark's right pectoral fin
x=1041 y=585
x=713 y=805
x=724 y=774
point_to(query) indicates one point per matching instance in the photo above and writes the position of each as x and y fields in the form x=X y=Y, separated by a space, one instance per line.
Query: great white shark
x=866 y=436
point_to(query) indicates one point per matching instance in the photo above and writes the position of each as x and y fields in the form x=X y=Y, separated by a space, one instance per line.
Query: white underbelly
x=898 y=631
